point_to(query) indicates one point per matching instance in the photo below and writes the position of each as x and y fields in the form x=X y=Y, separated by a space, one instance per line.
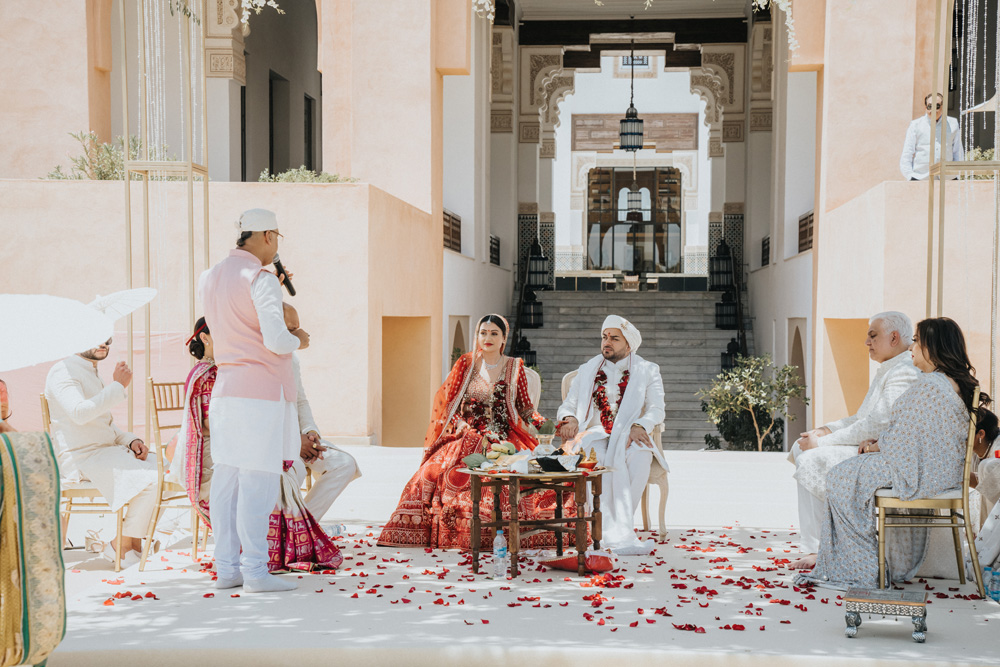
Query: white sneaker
x=235 y=582
x=268 y=584
x=130 y=559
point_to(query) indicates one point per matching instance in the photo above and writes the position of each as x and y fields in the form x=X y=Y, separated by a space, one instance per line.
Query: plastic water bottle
x=988 y=580
x=994 y=590
x=501 y=561
x=335 y=530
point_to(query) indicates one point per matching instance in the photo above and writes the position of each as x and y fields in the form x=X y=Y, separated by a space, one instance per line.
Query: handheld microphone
x=281 y=270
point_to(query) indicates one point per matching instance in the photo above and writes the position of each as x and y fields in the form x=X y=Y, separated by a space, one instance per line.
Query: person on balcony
x=613 y=405
x=920 y=454
x=332 y=468
x=914 y=163
x=91 y=447
x=819 y=450
x=483 y=400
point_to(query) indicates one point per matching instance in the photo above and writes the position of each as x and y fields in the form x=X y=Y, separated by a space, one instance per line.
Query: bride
x=485 y=393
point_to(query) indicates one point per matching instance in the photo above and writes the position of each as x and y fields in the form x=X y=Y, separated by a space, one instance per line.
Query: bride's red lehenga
x=435 y=509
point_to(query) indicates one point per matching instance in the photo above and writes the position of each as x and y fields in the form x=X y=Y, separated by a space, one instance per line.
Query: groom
x=612 y=407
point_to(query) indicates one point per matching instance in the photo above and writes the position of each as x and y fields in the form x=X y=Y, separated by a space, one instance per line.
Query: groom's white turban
x=628 y=330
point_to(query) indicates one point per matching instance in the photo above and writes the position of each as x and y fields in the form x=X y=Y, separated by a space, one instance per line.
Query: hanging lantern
x=634 y=204
x=630 y=127
x=720 y=269
x=538 y=268
x=531 y=312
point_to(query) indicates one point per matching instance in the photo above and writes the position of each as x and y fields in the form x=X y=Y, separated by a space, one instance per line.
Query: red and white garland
x=600 y=396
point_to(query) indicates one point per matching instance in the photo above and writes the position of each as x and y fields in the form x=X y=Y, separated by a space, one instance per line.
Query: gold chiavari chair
x=165 y=398
x=83 y=497
x=954 y=502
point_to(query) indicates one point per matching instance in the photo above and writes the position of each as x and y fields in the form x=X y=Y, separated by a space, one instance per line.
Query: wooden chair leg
x=976 y=570
x=881 y=547
x=64 y=524
x=148 y=542
x=645 y=507
x=195 y=533
x=662 y=509
x=119 y=520
x=958 y=548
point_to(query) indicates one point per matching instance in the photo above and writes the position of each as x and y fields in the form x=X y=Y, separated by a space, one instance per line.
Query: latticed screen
x=654 y=245
x=452 y=231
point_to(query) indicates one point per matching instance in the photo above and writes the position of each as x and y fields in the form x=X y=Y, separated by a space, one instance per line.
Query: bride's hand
x=463 y=426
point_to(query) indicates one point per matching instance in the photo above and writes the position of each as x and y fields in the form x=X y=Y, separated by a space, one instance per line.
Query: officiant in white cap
x=252 y=413
x=612 y=407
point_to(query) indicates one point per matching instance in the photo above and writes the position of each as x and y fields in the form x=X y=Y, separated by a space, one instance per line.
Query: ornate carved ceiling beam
x=592 y=59
x=580 y=33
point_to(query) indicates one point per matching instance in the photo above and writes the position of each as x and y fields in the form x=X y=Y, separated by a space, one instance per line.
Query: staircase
x=678 y=333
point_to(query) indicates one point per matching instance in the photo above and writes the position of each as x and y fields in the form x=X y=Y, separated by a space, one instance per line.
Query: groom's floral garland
x=600 y=396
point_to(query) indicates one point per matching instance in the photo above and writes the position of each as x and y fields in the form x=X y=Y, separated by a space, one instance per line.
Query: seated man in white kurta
x=816 y=451
x=332 y=468
x=613 y=405
x=986 y=478
x=90 y=446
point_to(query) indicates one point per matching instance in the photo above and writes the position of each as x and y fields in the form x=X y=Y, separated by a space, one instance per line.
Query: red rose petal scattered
x=208 y=595
x=109 y=603
x=485 y=622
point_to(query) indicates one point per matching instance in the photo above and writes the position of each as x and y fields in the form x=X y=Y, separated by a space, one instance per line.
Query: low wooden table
x=859 y=601
x=519 y=485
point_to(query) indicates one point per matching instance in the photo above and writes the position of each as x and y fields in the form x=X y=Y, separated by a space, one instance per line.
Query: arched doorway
x=796 y=406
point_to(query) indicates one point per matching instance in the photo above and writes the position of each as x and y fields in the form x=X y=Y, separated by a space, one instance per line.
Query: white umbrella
x=35 y=328
x=987 y=106
x=120 y=304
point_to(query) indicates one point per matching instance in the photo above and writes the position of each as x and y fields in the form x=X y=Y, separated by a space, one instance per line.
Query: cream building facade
x=440 y=115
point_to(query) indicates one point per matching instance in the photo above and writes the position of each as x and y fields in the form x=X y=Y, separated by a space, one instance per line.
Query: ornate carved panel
x=529 y=132
x=527 y=208
x=664 y=131
x=760 y=121
x=502 y=65
x=732 y=131
x=710 y=87
x=224 y=42
x=502 y=120
x=547 y=149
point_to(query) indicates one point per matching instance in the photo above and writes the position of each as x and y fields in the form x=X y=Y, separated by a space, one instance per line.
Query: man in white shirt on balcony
x=914 y=163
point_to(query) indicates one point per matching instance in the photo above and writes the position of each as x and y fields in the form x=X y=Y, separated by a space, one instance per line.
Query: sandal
x=93 y=542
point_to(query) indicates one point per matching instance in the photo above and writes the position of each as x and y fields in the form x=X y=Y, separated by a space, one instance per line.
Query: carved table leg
x=595 y=490
x=580 y=493
x=514 y=539
x=477 y=489
x=919 y=629
x=853 y=619
x=559 y=515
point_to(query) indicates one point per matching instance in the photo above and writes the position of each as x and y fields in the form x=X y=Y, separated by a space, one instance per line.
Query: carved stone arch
x=709 y=86
x=557 y=90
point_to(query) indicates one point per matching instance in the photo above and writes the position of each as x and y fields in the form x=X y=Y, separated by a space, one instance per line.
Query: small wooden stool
x=886 y=602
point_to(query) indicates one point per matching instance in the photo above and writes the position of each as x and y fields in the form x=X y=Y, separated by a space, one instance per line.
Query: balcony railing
x=494 y=250
x=765 y=251
x=806 y=232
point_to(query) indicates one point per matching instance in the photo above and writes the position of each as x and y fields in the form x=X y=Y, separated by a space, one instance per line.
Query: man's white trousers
x=242 y=502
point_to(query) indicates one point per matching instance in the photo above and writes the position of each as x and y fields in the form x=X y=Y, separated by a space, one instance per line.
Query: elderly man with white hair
x=612 y=407
x=815 y=452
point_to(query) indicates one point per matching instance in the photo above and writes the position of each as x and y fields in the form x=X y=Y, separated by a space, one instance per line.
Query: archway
x=796 y=407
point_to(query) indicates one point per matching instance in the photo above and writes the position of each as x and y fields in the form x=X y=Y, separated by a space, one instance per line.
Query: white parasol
x=35 y=328
x=120 y=304
x=987 y=106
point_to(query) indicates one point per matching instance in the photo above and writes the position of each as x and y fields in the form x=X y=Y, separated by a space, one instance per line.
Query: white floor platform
x=730 y=516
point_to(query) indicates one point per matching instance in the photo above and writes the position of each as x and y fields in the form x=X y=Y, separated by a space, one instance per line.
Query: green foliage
x=104 y=162
x=456 y=353
x=736 y=428
x=977 y=154
x=302 y=175
x=750 y=400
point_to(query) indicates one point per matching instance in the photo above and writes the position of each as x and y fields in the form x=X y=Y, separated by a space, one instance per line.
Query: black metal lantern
x=720 y=268
x=531 y=311
x=634 y=204
x=726 y=313
x=538 y=268
x=523 y=350
x=630 y=127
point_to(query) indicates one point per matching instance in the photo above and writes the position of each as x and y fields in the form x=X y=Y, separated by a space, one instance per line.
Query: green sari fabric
x=32 y=574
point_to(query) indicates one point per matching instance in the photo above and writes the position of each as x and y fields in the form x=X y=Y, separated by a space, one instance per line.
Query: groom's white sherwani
x=811 y=466
x=642 y=404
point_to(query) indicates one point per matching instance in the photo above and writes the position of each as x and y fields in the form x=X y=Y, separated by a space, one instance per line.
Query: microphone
x=281 y=270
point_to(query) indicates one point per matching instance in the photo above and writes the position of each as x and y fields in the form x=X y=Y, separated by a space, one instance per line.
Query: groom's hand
x=637 y=435
x=568 y=429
